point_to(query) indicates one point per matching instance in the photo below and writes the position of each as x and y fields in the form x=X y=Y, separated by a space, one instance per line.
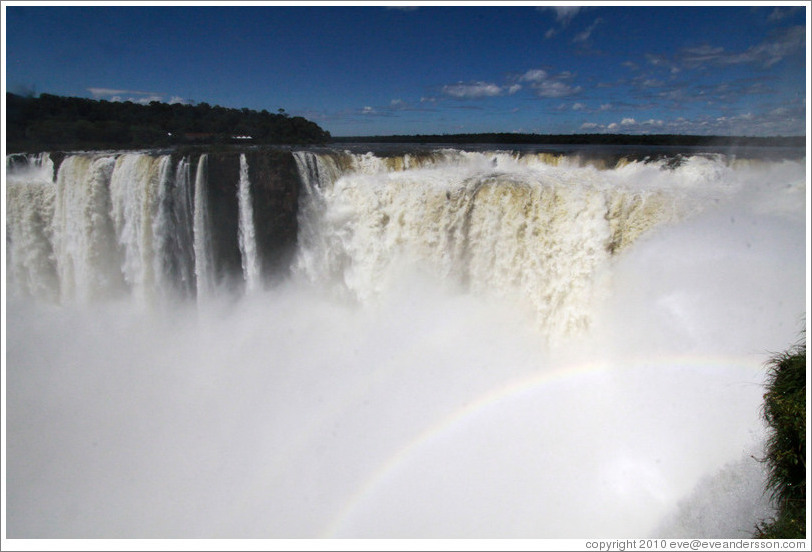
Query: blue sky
x=378 y=70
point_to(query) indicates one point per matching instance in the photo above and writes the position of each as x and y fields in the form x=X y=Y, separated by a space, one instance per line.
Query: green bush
x=784 y=410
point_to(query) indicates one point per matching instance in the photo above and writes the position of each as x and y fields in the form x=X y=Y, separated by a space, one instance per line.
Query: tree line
x=681 y=140
x=50 y=122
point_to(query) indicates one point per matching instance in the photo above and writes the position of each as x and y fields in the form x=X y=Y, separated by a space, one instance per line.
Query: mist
x=413 y=404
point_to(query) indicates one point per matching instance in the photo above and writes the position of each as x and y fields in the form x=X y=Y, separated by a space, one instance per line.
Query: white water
x=180 y=233
x=400 y=386
x=135 y=187
x=29 y=256
x=246 y=234
x=202 y=243
x=84 y=243
x=491 y=223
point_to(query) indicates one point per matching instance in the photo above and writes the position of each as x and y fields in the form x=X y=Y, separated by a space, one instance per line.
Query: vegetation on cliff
x=52 y=122
x=784 y=410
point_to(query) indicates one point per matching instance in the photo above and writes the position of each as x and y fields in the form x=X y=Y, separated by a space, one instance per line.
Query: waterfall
x=134 y=191
x=30 y=166
x=87 y=258
x=491 y=223
x=139 y=223
x=30 y=203
x=533 y=228
x=181 y=239
x=536 y=229
x=481 y=328
x=317 y=172
x=202 y=242
x=247 y=235
x=163 y=228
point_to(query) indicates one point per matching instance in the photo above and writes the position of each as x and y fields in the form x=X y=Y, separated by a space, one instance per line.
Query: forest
x=685 y=140
x=49 y=122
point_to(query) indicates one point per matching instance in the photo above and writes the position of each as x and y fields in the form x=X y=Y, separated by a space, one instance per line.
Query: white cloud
x=792 y=40
x=367 y=110
x=784 y=43
x=472 y=90
x=661 y=61
x=514 y=88
x=655 y=59
x=605 y=107
x=780 y=13
x=135 y=96
x=787 y=122
x=774 y=122
x=549 y=86
x=106 y=91
x=584 y=35
x=563 y=14
x=117 y=92
x=701 y=54
x=674 y=94
x=147 y=99
x=534 y=75
x=578 y=106
x=555 y=89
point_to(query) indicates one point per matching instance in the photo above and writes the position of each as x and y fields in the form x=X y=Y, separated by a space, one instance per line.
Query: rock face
x=222 y=181
x=275 y=198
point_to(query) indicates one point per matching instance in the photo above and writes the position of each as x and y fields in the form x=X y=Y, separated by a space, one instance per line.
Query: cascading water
x=29 y=249
x=490 y=223
x=466 y=344
x=134 y=194
x=202 y=243
x=180 y=252
x=86 y=253
x=247 y=236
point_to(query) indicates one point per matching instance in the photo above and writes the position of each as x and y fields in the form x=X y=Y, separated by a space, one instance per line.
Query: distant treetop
x=58 y=122
x=688 y=140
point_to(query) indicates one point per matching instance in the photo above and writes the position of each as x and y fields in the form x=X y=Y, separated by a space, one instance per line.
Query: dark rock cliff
x=222 y=184
x=275 y=198
x=275 y=201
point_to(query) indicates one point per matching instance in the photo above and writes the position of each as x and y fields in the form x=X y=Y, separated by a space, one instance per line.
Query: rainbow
x=518 y=389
